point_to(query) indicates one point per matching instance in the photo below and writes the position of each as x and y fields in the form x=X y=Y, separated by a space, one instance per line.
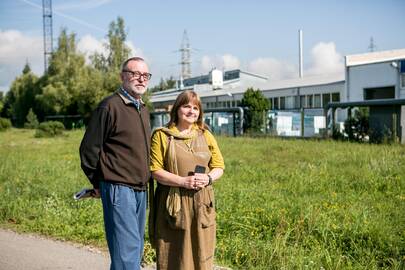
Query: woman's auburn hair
x=186 y=97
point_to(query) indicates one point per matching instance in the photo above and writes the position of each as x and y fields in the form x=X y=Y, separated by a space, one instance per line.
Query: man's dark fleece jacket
x=115 y=147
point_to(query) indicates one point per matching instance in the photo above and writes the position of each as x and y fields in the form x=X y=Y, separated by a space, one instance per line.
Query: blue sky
x=257 y=36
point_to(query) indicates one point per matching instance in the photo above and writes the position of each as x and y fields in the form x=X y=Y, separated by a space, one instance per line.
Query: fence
x=222 y=121
x=297 y=123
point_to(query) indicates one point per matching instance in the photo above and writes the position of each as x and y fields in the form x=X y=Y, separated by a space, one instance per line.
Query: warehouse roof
x=239 y=86
x=374 y=57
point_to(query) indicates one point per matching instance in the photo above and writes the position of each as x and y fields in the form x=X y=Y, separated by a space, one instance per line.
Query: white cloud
x=135 y=51
x=325 y=59
x=226 y=62
x=88 y=45
x=272 y=68
x=16 y=49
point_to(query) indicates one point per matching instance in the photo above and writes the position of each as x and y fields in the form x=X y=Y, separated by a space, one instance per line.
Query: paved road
x=29 y=252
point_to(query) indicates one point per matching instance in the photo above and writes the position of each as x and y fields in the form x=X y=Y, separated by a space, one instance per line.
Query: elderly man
x=114 y=156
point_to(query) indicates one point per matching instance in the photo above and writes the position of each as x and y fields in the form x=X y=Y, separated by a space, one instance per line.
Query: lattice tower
x=48 y=36
x=185 y=57
x=372 y=47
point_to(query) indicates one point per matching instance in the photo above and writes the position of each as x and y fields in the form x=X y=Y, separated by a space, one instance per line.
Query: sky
x=252 y=35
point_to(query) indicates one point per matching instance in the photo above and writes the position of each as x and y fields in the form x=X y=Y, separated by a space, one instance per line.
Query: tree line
x=70 y=86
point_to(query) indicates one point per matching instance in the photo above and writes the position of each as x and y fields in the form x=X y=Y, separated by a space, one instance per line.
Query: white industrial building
x=377 y=75
x=307 y=92
x=369 y=76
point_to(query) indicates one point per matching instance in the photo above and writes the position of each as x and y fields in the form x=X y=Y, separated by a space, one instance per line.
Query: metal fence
x=221 y=121
x=297 y=123
x=229 y=122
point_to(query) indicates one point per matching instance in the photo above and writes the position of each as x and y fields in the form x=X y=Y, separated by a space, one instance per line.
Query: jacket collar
x=125 y=99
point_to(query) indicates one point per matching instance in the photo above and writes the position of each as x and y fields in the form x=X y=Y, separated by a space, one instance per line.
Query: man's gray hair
x=135 y=58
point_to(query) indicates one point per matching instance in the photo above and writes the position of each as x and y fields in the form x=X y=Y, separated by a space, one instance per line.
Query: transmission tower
x=372 y=45
x=185 y=57
x=47 y=22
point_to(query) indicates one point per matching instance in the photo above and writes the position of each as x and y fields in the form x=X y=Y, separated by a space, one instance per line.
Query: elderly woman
x=185 y=161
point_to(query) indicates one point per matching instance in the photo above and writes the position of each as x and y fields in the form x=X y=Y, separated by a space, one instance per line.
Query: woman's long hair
x=184 y=98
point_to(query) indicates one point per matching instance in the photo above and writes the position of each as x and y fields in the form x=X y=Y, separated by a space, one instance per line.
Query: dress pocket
x=207 y=212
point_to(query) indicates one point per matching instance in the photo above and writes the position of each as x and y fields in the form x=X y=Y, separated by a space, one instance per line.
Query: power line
x=74 y=19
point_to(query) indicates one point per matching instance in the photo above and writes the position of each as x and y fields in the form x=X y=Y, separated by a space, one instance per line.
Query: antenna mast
x=47 y=23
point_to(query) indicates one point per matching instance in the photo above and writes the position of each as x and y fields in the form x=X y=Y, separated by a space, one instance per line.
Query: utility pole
x=48 y=37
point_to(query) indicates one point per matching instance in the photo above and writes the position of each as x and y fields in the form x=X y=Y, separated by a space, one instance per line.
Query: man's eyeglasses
x=137 y=75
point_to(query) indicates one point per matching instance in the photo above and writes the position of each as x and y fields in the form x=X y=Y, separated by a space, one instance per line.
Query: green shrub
x=49 y=129
x=4 y=124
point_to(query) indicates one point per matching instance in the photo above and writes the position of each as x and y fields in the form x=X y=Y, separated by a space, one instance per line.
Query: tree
x=356 y=127
x=257 y=105
x=117 y=53
x=32 y=120
x=164 y=84
x=65 y=80
x=1 y=101
x=118 y=50
x=21 y=96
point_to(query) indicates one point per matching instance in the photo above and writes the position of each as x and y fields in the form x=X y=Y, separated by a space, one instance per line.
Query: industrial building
x=368 y=76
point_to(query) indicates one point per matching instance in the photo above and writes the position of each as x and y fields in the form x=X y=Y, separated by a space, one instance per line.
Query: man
x=114 y=156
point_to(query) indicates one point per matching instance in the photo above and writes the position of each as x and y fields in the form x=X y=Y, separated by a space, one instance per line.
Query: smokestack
x=301 y=69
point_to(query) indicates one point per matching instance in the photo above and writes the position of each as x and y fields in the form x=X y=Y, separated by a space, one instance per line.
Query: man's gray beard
x=139 y=91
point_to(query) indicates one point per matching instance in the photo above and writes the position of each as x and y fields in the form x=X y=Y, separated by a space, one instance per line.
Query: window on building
x=282 y=103
x=310 y=103
x=302 y=104
x=296 y=102
x=276 y=105
x=317 y=101
x=325 y=99
x=335 y=97
x=289 y=102
x=379 y=93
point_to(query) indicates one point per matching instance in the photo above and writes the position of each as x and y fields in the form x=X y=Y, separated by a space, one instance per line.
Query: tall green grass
x=281 y=204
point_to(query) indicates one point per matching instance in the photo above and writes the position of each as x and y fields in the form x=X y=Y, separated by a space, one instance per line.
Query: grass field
x=282 y=204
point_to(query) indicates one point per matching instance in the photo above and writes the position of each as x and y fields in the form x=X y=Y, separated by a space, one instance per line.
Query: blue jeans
x=124 y=220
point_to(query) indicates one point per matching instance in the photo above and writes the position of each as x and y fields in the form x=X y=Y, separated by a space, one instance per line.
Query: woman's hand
x=201 y=180
x=190 y=182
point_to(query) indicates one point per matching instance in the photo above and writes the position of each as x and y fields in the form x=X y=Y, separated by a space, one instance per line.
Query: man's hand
x=96 y=193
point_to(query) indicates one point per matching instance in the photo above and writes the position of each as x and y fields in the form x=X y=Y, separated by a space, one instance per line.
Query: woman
x=185 y=161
